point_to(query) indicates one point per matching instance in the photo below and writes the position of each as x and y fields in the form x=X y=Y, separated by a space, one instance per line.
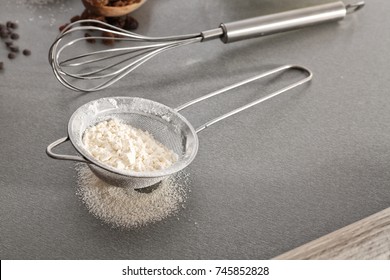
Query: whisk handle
x=285 y=21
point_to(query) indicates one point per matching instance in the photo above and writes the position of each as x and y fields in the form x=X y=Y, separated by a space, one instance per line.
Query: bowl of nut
x=112 y=8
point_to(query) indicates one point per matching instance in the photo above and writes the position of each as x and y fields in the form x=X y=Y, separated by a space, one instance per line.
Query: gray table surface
x=264 y=182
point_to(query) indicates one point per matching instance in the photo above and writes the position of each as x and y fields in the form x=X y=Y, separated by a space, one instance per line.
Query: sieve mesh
x=165 y=124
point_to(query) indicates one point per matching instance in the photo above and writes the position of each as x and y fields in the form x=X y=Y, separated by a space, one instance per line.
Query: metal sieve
x=166 y=125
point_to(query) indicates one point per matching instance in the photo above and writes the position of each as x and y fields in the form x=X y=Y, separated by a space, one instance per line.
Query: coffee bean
x=87 y=35
x=62 y=27
x=124 y=22
x=118 y=4
x=4 y=34
x=14 y=49
x=117 y=21
x=108 y=38
x=131 y=23
x=14 y=36
x=99 y=3
x=8 y=43
x=11 y=24
x=8 y=35
x=85 y=14
x=75 y=18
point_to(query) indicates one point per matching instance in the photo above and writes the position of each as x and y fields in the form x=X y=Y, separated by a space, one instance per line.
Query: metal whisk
x=78 y=71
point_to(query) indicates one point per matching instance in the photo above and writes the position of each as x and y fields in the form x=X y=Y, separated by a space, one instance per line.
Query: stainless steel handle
x=58 y=142
x=280 y=22
x=253 y=103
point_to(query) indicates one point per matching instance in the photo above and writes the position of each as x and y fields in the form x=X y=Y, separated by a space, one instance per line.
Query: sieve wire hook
x=50 y=153
x=253 y=103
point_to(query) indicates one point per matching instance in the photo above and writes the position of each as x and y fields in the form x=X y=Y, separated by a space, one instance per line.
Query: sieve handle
x=50 y=153
x=257 y=77
x=285 y=21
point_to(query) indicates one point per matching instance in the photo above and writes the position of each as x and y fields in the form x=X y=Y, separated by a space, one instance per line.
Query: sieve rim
x=176 y=167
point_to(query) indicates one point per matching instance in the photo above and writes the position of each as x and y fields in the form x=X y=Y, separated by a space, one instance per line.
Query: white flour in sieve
x=127 y=208
x=126 y=148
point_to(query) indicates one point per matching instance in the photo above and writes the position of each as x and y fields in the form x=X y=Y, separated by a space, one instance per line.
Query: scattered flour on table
x=127 y=208
x=41 y=2
x=47 y=11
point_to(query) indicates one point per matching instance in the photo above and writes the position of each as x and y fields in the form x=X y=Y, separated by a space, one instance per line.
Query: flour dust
x=128 y=208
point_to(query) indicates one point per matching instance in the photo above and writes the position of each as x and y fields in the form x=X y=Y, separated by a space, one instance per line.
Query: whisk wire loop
x=91 y=65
